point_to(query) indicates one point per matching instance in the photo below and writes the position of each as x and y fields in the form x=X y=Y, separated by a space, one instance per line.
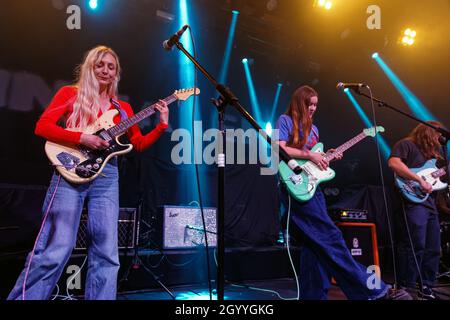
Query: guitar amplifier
x=348 y=215
x=361 y=240
x=182 y=227
x=125 y=230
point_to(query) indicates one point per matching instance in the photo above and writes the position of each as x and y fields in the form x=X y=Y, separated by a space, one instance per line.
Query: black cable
x=383 y=185
x=196 y=166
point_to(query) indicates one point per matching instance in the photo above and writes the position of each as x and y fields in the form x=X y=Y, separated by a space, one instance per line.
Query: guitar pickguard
x=96 y=159
x=68 y=160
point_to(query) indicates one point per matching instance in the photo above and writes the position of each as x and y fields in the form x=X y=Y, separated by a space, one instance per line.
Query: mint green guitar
x=303 y=186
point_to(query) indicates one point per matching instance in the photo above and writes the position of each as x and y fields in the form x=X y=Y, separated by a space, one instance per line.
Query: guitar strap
x=116 y=104
x=315 y=133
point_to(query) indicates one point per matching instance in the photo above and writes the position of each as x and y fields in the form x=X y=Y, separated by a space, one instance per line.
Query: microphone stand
x=227 y=97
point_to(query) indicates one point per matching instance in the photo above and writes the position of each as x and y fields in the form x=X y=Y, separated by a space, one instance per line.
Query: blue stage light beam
x=385 y=149
x=252 y=92
x=276 y=101
x=229 y=46
x=186 y=67
x=416 y=106
x=186 y=75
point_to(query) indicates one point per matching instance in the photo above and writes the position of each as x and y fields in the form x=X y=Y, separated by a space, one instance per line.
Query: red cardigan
x=62 y=105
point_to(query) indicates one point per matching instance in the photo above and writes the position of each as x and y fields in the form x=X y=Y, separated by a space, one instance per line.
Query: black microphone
x=343 y=86
x=169 y=43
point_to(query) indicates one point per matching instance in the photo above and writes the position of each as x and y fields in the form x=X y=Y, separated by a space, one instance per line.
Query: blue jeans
x=57 y=239
x=325 y=254
x=424 y=227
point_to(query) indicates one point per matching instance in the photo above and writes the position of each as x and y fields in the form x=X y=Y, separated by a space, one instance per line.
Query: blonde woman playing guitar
x=82 y=105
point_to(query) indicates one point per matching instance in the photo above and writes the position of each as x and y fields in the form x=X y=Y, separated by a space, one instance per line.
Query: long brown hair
x=427 y=139
x=299 y=113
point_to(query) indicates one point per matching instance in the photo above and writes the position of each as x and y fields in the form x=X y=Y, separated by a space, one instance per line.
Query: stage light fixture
x=408 y=37
x=269 y=129
x=326 y=4
x=93 y=4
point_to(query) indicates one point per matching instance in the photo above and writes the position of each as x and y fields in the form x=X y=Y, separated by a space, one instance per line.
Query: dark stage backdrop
x=293 y=45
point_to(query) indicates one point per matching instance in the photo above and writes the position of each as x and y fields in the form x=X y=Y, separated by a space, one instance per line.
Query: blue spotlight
x=228 y=48
x=269 y=129
x=252 y=91
x=375 y=55
x=385 y=150
x=93 y=4
x=416 y=106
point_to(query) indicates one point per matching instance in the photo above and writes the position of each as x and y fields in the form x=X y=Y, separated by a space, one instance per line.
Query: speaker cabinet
x=361 y=240
x=182 y=227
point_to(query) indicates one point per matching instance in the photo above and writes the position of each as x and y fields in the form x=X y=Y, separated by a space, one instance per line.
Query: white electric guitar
x=79 y=164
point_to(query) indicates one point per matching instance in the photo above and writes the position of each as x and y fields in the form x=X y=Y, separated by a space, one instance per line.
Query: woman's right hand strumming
x=93 y=142
x=319 y=159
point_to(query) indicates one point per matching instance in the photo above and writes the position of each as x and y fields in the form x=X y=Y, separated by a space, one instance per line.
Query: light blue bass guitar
x=303 y=186
x=412 y=191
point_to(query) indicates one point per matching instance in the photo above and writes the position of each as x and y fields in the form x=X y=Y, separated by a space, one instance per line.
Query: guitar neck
x=347 y=145
x=124 y=125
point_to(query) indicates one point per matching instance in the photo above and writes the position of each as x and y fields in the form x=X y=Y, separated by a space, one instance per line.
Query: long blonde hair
x=86 y=106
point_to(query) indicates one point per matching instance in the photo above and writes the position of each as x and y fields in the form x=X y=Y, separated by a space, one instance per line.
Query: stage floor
x=276 y=289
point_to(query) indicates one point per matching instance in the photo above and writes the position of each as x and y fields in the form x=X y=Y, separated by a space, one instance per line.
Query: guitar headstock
x=184 y=94
x=372 y=132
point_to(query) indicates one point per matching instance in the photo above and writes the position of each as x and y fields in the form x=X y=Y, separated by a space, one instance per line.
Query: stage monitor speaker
x=125 y=230
x=361 y=240
x=183 y=227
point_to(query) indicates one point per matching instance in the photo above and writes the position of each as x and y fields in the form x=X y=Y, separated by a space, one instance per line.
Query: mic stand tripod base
x=136 y=264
